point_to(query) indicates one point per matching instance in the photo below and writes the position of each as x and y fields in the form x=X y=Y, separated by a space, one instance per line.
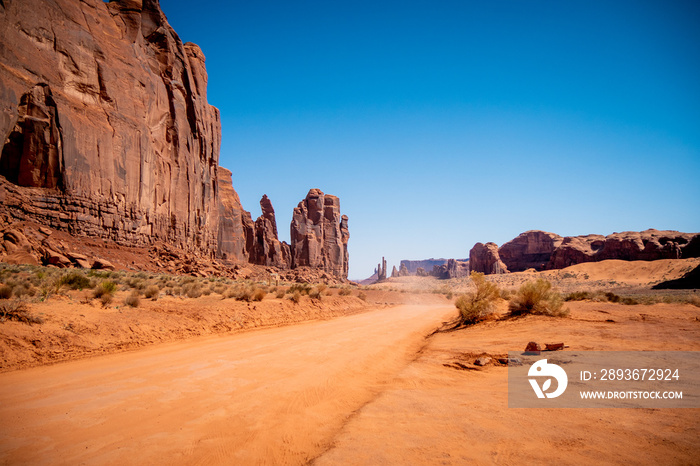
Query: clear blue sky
x=444 y=123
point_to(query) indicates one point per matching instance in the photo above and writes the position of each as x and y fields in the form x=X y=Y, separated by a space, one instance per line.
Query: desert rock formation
x=106 y=115
x=541 y=250
x=629 y=245
x=452 y=269
x=268 y=250
x=484 y=258
x=319 y=234
x=530 y=250
x=109 y=135
x=426 y=264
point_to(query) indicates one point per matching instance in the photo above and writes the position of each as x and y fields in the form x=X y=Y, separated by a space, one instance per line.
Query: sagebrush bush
x=303 y=288
x=5 y=291
x=105 y=287
x=280 y=294
x=578 y=296
x=152 y=292
x=537 y=297
x=192 y=289
x=133 y=299
x=259 y=294
x=476 y=306
x=346 y=291
x=16 y=309
x=295 y=297
x=106 y=299
x=75 y=280
x=362 y=296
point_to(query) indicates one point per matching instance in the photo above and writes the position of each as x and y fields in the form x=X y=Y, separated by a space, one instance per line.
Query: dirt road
x=275 y=396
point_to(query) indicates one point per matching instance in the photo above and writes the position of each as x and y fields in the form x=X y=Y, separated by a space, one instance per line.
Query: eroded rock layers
x=108 y=134
x=105 y=112
x=541 y=250
x=319 y=234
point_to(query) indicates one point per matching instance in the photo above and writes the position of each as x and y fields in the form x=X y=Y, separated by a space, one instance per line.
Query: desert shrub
x=151 y=292
x=612 y=297
x=476 y=306
x=303 y=288
x=578 y=296
x=315 y=293
x=243 y=293
x=136 y=283
x=346 y=291
x=280 y=294
x=219 y=288
x=449 y=295
x=24 y=289
x=295 y=297
x=106 y=287
x=106 y=299
x=16 y=309
x=5 y=291
x=362 y=296
x=259 y=294
x=192 y=289
x=506 y=294
x=537 y=297
x=133 y=299
x=206 y=291
x=75 y=280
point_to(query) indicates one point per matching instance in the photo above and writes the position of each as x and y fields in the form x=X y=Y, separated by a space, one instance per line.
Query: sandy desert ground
x=365 y=383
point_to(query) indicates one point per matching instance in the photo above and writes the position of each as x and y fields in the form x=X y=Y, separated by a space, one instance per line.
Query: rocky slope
x=108 y=134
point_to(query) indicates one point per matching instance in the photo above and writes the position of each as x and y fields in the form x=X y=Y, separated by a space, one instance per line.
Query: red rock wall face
x=530 y=250
x=106 y=124
x=484 y=258
x=629 y=245
x=319 y=234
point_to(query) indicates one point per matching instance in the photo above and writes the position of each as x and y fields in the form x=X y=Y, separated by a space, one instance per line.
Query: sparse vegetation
x=345 y=291
x=476 y=306
x=578 y=296
x=259 y=294
x=5 y=291
x=133 y=299
x=295 y=297
x=192 y=289
x=105 y=292
x=17 y=310
x=362 y=296
x=151 y=292
x=537 y=297
x=75 y=280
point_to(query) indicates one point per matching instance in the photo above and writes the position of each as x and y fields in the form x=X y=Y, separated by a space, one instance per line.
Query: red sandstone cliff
x=108 y=134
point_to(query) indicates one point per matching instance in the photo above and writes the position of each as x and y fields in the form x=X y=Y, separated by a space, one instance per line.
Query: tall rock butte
x=108 y=134
x=319 y=234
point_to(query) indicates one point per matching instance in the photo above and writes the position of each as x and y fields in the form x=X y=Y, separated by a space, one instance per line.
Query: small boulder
x=482 y=361
x=533 y=348
x=80 y=260
x=56 y=259
x=553 y=346
x=102 y=264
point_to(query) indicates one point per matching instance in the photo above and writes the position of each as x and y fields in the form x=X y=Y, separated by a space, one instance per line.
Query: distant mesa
x=109 y=136
x=540 y=250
